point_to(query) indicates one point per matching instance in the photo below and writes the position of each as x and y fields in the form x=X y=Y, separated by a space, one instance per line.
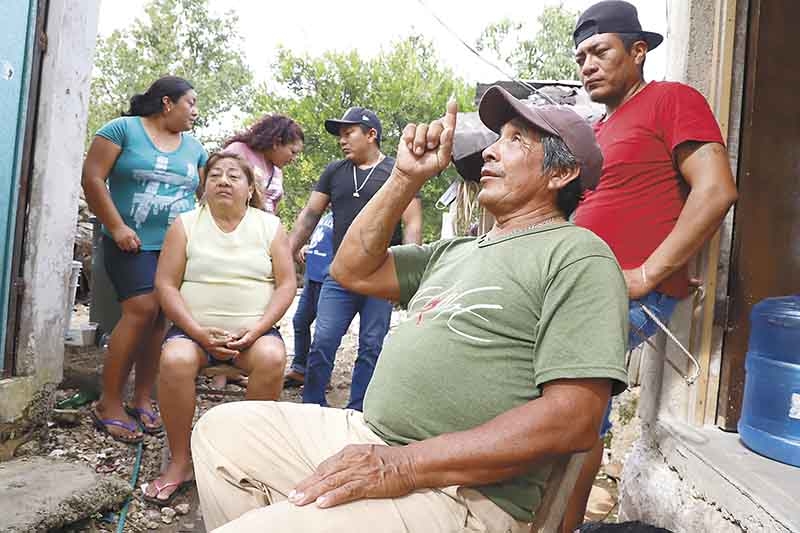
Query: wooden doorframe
x=767 y=215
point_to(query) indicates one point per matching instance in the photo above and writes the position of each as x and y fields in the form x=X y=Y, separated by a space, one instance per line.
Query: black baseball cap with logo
x=355 y=115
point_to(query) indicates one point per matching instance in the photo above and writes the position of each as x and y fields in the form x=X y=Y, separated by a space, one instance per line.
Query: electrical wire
x=472 y=49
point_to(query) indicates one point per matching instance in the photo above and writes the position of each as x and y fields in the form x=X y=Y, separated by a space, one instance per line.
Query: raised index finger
x=449 y=118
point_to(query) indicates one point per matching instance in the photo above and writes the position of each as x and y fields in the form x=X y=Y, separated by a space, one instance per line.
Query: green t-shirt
x=490 y=322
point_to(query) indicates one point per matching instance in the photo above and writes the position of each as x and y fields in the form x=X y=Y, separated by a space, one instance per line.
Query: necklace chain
x=356 y=188
x=544 y=222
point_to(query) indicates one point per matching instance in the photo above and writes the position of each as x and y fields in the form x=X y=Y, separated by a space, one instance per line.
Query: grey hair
x=558 y=158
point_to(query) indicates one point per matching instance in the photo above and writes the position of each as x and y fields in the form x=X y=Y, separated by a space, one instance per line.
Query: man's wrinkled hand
x=425 y=149
x=357 y=472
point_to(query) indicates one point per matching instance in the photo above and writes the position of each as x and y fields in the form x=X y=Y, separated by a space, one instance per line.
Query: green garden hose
x=134 y=476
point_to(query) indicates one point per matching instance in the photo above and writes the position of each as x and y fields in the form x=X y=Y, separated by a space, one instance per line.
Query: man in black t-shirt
x=347 y=185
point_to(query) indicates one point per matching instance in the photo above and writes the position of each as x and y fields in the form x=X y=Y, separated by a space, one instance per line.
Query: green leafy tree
x=177 y=37
x=548 y=55
x=403 y=84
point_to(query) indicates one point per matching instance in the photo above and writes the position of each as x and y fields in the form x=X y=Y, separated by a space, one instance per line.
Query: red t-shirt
x=641 y=193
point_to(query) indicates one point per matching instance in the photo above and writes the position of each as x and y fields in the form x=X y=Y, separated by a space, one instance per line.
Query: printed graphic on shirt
x=439 y=303
x=326 y=223
x=161 y=190
x=319 y=233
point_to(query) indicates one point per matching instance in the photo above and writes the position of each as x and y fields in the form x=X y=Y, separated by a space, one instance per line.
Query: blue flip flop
x=138 y=413
x=103 y=423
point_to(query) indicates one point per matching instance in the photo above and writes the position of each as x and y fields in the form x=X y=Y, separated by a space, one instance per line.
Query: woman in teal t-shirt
x=140 y=173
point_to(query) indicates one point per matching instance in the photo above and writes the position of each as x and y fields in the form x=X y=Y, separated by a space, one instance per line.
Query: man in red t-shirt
x=666 y=183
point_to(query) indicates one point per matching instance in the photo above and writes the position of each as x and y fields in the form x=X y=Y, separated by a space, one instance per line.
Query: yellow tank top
x=228 y=280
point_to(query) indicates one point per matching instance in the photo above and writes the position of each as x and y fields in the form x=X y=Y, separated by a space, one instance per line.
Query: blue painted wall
x=17 y=29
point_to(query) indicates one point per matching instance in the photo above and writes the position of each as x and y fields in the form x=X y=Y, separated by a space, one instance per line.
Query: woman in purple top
x=268 y=145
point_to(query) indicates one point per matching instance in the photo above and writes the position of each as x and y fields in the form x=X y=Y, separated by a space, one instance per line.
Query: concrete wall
x=689 y=480
x=49 y=235
x=692 y=37
x=690 y=42
x=676 y=504
x=679 y=475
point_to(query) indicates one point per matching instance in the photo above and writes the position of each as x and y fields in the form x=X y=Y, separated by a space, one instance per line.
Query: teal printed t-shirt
x=150 y=187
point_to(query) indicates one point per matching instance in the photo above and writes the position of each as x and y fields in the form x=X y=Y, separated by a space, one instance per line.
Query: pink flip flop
x=164 y=502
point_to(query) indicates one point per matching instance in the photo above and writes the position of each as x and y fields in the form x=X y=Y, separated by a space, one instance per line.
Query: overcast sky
x=315 y=26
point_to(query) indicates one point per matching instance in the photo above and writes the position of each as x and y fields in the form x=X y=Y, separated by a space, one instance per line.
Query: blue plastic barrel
x=770 y=421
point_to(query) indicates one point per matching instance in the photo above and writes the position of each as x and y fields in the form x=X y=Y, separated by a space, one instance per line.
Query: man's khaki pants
x=249 y=455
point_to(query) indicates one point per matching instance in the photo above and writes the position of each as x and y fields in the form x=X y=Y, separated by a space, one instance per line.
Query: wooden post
x=720 y=101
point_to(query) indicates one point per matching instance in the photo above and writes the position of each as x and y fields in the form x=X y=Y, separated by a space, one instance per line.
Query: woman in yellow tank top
x=225 y=278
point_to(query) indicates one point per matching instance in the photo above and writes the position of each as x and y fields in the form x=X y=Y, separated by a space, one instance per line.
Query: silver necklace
x=544 y=222
x=355 y=181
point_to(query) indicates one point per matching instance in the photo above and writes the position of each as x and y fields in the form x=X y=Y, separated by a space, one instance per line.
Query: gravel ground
x=81 y=442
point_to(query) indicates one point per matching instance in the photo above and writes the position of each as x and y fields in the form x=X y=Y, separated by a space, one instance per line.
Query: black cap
x=355 y=115
x=612 y=16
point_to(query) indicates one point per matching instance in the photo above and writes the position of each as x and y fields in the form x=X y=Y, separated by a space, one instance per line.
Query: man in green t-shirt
x=512 y=345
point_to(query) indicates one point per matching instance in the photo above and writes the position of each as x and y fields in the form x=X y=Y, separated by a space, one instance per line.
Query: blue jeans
x=305 y=314
x=335 y=310
x=643 y=327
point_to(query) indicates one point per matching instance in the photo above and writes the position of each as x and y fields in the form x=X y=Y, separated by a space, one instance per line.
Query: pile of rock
x=154 y=519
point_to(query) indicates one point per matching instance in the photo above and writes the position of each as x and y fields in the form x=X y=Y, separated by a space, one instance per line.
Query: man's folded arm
x=564 y=420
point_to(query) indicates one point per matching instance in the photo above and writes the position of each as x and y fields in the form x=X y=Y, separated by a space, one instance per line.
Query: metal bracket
x=18 y=285
x=690 y=379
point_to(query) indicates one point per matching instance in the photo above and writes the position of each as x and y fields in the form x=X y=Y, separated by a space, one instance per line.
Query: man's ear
x=563 y=177
x=639 y=51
